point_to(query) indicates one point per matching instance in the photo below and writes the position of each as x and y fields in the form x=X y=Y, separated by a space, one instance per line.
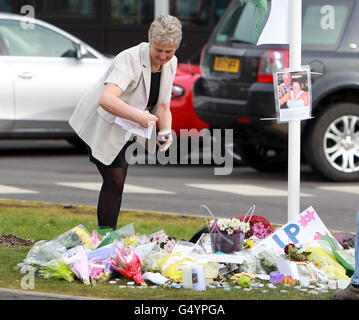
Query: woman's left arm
x=164 y=139
x=164 y=116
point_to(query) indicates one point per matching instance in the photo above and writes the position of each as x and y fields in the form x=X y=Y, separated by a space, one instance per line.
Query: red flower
x=255 y=219
x=286 y=248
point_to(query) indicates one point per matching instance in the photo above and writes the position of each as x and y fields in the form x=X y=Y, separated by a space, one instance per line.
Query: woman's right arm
x=110 y=101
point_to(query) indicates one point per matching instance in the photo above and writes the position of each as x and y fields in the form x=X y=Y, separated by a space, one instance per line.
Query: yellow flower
x=130 y=241
x=249 y=244
x=85 y=238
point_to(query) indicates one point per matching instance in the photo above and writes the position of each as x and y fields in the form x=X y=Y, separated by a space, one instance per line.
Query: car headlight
x=177 y=91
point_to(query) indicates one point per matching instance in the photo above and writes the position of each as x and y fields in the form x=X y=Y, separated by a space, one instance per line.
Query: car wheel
x=263 y=158
x=232 y=149
x=334 y=143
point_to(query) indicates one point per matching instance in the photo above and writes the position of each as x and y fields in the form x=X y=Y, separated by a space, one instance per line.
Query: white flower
x=231 y=225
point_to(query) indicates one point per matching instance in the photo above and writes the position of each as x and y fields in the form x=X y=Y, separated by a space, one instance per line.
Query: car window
x=324 y=24
x=322 y=28
x=243 y=23
x=36 y=42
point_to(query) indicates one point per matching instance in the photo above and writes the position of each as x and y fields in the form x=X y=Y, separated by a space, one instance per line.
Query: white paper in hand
x=135 y=127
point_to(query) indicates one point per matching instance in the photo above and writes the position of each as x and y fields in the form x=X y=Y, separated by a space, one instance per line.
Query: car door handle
x=26 y=75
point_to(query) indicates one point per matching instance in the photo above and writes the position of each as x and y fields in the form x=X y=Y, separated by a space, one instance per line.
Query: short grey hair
x=165 y=29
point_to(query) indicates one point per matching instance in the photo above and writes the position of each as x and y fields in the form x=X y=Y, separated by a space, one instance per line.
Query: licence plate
x=226 y=64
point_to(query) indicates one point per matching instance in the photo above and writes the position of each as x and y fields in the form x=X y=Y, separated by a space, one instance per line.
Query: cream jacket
x=131 y=71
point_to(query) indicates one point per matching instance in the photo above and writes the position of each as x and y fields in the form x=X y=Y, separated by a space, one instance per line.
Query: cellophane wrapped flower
x=95 y=239
x=347 y=241
x=163 y=241
x=130 y=241
x=229 y=225
x=57 y=269
x=77 y=259
x=128 y=263
x=75 y=236
x=259 y=227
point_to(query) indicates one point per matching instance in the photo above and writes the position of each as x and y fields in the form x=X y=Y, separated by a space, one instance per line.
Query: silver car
x=44 y=73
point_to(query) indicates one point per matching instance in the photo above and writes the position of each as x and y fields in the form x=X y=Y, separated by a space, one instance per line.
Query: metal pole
x=161 y=7
x=295 y=60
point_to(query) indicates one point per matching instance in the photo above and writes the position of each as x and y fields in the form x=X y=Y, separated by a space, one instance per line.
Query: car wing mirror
x=81 y=50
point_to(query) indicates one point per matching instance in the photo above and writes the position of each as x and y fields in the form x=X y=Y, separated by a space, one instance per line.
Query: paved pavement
x=10 y=294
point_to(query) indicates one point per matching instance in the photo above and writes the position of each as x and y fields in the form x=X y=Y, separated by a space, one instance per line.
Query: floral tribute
x=128 y=263
x=258 y=226
x=347 y=241
x=163 y=241
x=229 y=226
x=227 y=234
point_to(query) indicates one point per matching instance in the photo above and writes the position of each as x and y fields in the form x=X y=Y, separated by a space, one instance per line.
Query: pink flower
x=258 y=227
x=169 y=246
x=262 y=234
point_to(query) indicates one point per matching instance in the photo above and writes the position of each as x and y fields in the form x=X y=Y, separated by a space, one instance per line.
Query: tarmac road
x=54 y=171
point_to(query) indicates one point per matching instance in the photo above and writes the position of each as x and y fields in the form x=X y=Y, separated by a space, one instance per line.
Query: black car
x=236 y=87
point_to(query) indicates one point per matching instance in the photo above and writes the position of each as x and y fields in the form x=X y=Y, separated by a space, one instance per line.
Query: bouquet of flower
x=259 y=226
x=127 y=262
x=227 y=235
x=77 y=259
x=57 y=269
x=347 y=241
x=75 y=236
x=163 y=241
x=229 y=226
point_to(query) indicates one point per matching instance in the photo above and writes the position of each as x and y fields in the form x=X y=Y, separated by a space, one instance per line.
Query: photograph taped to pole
x=293 y=93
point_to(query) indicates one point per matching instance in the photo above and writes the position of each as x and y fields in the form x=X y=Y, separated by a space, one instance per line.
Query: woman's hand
x=164 y=139
x=146 y=119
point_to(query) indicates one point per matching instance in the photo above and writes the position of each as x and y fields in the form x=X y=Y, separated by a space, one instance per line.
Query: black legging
x=110 y=198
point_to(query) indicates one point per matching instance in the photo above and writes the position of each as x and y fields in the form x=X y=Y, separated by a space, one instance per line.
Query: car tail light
x=177 y=91
x=269 y=62
x=244 y=120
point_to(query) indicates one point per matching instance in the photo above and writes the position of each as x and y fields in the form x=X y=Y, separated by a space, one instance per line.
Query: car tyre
x=263 y=158
x=333 y=145
x=232 y=150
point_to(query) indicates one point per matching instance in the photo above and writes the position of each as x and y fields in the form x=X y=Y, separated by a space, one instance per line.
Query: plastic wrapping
x=327 y=263
x=95 y=239
x=128 y=263
x=41 y=253
x=97 y=271
x=44 y=251
x=144 y=250
x=267 y=260
x=127 y=231
x=227 y=235
x=58 y=270
x=251 y=263
x=155 y=278
x=171 y=265
x=163 y=241
x=75 y=236
x=77 y=259
x=150 y=261
x=345 y=257
x=100 y=254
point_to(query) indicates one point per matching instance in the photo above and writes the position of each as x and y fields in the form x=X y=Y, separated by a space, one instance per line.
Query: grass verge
x=43 y=221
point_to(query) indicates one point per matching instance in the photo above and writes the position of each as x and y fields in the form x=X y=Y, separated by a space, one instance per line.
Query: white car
x=44 y=73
